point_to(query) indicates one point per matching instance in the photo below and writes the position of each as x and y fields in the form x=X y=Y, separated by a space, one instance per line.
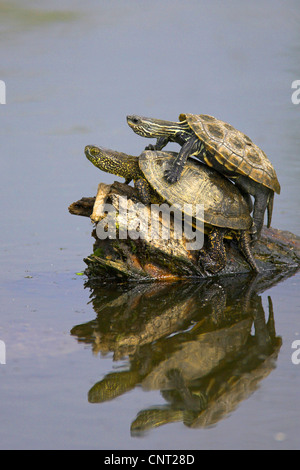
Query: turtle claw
x=150 y=147
x=171 y=176
x=209 y=265
x=203 y=263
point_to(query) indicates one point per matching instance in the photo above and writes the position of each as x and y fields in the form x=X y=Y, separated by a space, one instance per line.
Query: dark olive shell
x=224 y=206
x=233 y=149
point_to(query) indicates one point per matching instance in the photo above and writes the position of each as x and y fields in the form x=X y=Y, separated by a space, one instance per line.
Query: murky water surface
x=201 y=366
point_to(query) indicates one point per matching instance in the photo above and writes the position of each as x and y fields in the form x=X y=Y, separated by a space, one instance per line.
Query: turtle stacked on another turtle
x=218 y=145
x=225 y=207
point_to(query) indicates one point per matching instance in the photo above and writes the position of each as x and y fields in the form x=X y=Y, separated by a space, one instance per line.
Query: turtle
x=225 y=208
x=221 y=146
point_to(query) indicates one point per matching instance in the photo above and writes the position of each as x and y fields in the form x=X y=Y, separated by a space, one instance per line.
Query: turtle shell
x=232 y=149
x=224 y=206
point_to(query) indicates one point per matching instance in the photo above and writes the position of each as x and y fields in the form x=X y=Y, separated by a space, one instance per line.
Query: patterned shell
x=233 y=149
x=224 y=206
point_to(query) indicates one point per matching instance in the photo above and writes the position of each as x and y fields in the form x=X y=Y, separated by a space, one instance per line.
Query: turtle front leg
x=173 y=174
x=213 y=257
x=144 y=191
x=160 y=144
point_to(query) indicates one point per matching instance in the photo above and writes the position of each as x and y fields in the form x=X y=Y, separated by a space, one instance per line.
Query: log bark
x=143 y=259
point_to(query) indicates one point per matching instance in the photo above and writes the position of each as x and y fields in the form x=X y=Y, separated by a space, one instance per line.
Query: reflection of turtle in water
x=129 y=324
x=206 y=400
x=197 y=349
x=225 y=208
x=220 y=146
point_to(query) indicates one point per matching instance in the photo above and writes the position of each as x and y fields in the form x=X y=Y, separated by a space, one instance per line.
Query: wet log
x=146 y=258
x=84 y=207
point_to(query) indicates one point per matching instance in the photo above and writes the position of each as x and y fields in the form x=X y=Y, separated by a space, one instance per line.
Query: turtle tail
x=245 y=248
x=270 y=208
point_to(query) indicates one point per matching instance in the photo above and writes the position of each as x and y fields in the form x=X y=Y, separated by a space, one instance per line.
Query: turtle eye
x=95 y=151
x=134 y=119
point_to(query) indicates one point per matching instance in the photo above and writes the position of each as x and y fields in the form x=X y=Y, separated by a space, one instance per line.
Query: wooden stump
x=148 y=258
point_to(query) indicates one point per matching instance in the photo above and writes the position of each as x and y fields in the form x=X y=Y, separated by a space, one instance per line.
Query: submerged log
x=147 y=258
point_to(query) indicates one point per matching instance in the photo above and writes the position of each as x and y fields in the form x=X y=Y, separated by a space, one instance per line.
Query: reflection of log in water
x=194 y=342
x=144 y=259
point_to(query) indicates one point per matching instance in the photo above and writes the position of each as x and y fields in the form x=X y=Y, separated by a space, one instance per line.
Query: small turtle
x=220 y=146
x=224 y=206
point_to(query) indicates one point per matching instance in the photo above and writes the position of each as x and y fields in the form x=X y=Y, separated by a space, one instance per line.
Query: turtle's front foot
x=171 y=175
x=209 y=265
x=160 y=144
x=151 y=147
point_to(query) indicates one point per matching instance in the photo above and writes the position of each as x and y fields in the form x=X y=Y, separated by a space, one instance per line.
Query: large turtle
x=220 y=146
x=224 y=206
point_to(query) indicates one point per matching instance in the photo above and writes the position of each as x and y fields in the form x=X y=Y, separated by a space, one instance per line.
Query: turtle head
x=94 y=154
x=150 y=127
x=111 y=161
x=105 y=159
